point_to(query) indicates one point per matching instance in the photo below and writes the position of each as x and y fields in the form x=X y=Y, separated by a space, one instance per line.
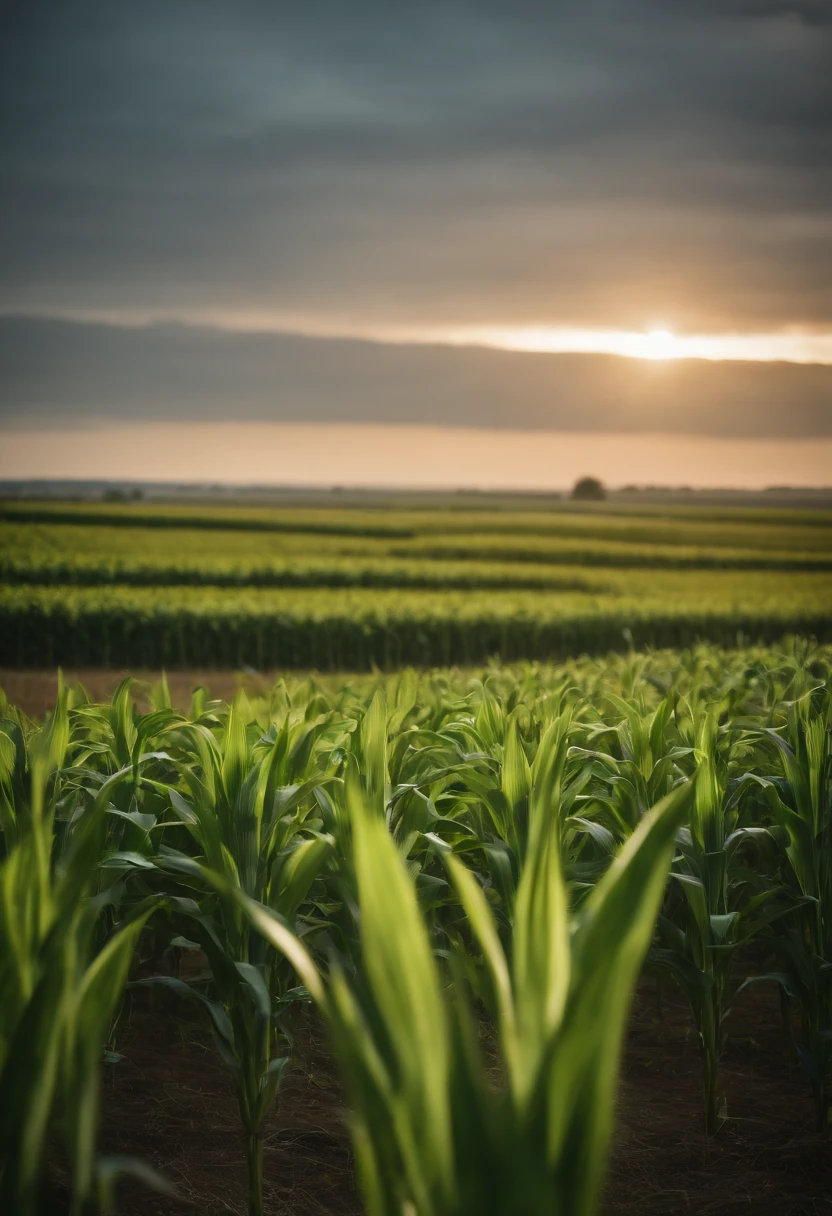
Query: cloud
x=587 y=163
x=55 y=374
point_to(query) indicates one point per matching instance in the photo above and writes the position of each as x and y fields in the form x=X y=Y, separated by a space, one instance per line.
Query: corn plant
x=245 y=803
x=709 y=912
x=800 y=800
x=431 y=1134
x=635 y=762
x=61 y=987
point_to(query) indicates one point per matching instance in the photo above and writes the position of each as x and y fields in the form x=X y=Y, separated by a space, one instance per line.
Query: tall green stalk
x=709 y=912
x=246 y=805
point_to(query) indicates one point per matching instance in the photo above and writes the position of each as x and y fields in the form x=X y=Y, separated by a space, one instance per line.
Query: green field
x=455 y=880
x=348 y=588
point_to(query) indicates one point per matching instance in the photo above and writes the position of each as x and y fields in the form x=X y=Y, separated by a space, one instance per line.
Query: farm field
x=343 y=589
x=416 y=610
x=517 y=920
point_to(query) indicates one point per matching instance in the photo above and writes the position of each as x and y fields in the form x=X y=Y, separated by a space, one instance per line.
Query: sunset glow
x=285 y=220
x=793 y=345
x=407 y=457
x=659 y=344
x=786 y=346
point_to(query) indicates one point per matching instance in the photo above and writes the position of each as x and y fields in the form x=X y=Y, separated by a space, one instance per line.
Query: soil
x=766 y=1158
x=170 y=1102
x=34 y=692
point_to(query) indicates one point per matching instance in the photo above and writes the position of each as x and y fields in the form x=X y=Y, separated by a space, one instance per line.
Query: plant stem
x=254 y=1155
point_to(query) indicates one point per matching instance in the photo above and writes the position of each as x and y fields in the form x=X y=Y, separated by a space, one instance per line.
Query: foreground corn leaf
x=433 y=1131
x=60 y=995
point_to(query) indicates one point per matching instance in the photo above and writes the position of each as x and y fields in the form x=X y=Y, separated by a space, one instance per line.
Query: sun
x=660 y=344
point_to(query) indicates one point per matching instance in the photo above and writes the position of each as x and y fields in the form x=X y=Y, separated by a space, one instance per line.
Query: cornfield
x=350 y=590
x=466 y=872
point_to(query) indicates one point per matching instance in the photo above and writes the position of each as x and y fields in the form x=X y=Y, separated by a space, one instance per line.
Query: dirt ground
x=767 y=1157
x=170 y=1102
x=34 y=692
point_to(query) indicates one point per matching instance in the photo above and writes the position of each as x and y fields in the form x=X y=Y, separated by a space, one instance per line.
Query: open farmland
x=347 y=588
x=416 y=609
x=452 y=902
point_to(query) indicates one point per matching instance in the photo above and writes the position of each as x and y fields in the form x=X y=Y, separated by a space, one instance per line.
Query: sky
x=458 y=213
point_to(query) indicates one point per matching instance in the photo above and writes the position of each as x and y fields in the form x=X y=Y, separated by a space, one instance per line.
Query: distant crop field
x=349 y=588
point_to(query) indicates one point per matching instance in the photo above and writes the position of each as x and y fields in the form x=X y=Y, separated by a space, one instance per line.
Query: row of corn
x=355 y=629
x=432 y=861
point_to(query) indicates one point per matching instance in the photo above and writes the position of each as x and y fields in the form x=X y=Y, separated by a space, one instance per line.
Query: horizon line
x=217 y=488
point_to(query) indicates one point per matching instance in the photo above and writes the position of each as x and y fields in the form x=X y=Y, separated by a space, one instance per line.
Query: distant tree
x=122 y=494
x=589 y=489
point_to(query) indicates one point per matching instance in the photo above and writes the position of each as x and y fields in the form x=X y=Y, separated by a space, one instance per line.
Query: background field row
x=354 y=628
x=740 y=527
x=51 y=553
x=347 y=589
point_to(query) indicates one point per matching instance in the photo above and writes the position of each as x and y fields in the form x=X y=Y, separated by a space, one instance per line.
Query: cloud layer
x=57 y=373
x=591 y=163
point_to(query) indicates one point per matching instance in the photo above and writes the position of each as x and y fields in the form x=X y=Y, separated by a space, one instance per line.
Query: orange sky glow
x=790 y=345
x=412 y=457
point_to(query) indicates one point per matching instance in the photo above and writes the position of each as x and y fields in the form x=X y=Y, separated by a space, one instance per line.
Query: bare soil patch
x=34 y=692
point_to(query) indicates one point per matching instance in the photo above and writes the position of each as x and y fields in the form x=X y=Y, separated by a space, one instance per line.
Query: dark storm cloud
x=614 y=164
x=57 y=373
